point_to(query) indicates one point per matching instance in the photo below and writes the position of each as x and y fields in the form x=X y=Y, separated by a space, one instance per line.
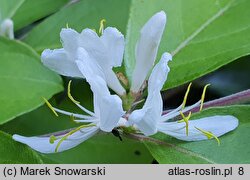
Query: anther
x=186 y=95
x=102 y=26
x=70 y=96
x=203 y=96
x=209 y=135
x=186 y=120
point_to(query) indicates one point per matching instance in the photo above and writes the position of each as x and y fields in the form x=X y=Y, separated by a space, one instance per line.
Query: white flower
x=150 y=120
x=7 y=28
x=107 y=113
x=146 y=48
x=106 y=50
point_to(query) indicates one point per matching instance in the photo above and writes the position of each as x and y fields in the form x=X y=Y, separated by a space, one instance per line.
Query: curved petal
x=87 y=66
x=218 y=125
x=43 y=145
x=92 y=43
x=110 y=112
x=58 y=61
x=70 y=41
x=159 y=74
x=147 y=47
x=146 y=119
x=114 y=43
x=113 y=82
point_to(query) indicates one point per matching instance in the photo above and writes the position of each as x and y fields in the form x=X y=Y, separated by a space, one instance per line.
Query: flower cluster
x=90 y=56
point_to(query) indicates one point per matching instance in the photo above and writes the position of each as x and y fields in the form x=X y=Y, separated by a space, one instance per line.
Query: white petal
x=146 y=119
x=159 y=74
x=43 y=145
x=58 y=61
x=70 y=40
x=110 y=112
x=113 y=82
x=114 y=43
x=147 y=47
x=7 y=28
x=92 y=43
x=87 y=66
x=218 y=125
x=100 y=51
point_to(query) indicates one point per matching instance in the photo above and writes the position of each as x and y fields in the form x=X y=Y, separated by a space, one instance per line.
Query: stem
x=238 y=98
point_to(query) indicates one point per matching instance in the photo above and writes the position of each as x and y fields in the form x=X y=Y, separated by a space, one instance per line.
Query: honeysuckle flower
x=7 y=28
x=150 y=120
x=107 y=113
x=146 y=49
x=106 y=50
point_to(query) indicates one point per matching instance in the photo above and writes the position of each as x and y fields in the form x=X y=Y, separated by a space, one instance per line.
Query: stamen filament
x=72 y=114
x=86 y=120
x=209 y=135
x=69 y=94
x=70 y=133
x=203 y=96
x=50 y=106
x=186 y=95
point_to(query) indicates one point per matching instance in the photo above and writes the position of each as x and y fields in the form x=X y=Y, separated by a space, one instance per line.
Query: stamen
x=70 y=133
x=67 y=25
x=209 y=135
x=185 y=119
x=101 y=26
x=50 y=106
x=70 y=114
x=186 y=95
x=203 y=96
x=70 y=96
x=52 y=139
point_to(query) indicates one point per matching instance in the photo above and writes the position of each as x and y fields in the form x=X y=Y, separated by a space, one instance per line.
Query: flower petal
x=70 y=41
x=58 y=61
x=218 y=125
x=87 y=66
x=114 y=43
x=159 y=74
x=92 y=43
x=113 y=82
x=147 y=47
x=43 y=145
x=110 y=112
x=146 y=119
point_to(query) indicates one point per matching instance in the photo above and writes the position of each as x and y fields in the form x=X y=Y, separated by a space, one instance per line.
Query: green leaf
x=24 y=80
x=103 y=148
x=9 y=7
x=202 y=35
x=84 y=14
x=31 y=11
x=13 y=152
x=234 y=146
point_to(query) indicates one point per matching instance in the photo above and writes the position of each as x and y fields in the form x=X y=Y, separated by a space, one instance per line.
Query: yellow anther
x=50 y=106
x=70 y=96
x=102 y=22
x=185 y=119
x=52 y=139
x=70 y=133
x=209 y=135
x=67 y=25
x=186 y=95
x=203 y=96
